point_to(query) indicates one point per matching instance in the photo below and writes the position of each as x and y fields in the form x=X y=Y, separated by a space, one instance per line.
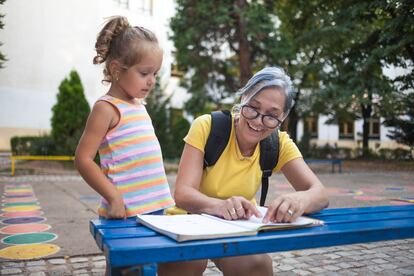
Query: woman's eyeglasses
x=268 y=121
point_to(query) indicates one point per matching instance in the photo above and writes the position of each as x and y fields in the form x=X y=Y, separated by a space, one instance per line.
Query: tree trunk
x=244 y=50
x=366 y=115
x=293 y=124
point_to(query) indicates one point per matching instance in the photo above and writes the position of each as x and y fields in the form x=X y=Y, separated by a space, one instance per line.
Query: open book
x=201 y=227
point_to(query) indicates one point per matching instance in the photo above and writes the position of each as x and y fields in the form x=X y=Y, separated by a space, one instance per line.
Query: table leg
x=144 y=270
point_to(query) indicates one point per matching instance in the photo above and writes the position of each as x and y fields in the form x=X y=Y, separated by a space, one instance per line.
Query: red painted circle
x=34 y=213
x=22 y=199
x=24 y=228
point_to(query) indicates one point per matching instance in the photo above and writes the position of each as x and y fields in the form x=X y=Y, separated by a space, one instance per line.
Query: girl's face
x=138 y=80
x=270 y=101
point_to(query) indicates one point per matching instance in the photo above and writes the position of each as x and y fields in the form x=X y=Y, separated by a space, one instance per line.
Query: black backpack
x=221 y=124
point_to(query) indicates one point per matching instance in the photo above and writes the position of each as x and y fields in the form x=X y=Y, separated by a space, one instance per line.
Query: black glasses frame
x=279 y=122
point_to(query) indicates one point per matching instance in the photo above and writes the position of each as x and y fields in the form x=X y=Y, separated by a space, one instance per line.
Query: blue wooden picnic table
x=126 y=243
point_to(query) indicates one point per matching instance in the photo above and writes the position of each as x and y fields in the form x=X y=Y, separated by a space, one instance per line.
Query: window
x=374 y=128
x=346 y=130
x=310 y=125
x=143 y=6
x=123 y=3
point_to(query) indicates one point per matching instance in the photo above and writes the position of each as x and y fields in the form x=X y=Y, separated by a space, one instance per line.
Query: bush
x=32 y=145
x=69 y=115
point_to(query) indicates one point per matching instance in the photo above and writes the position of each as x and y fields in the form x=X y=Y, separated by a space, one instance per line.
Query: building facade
x=44 y=40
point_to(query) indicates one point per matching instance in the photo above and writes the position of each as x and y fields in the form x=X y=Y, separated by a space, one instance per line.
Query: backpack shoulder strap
x=221 y=124
x=269 y=156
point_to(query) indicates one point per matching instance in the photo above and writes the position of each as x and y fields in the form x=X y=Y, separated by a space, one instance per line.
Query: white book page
x=253 y=223
x=190 y=225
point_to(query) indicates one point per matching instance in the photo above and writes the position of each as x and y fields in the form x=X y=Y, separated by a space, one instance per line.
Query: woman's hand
x=235 y=207
x=286 y=208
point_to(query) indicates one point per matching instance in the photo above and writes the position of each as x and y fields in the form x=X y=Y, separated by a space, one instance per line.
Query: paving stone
x=291 y=261
x=379 y=261
x=375 y=268
x=12 y=264
x=100 y=264
x=10 y=271
x=405 y=271
x=36 y=268
x=316 y=269
x=301 y=272
x=97 y=270
x=331 y=268
x=78 y=260
x=36 y=263
x=57 y=261
x=285 y=267
x=344 y=265
x=80 y=265
x=98 y=258
x=388 y=266
x=286 y=254
x=332 y=256
x=80 y=271
x=40 y=273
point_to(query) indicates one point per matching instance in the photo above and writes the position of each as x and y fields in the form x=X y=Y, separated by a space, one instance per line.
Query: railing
x=13 y=159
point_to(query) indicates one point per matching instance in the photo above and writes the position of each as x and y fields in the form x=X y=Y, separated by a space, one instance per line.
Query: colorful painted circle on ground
x=355 y=192
x=19 y=195
x=22 y=220
x=22 y=214
x=10 y=204
x=20 y=208
x=21 y=199
x=29 y=238
x=18 y=191
x=28 y=251
x=24 y=228
x=394 y=188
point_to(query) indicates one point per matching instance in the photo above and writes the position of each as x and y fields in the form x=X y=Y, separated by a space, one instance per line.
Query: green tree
x=220 y=52
x=2 y=56
x=354 y=85
x=158 y=107
x=403 y=121
x=69 y=114
x=170 y=126
x=301 y=52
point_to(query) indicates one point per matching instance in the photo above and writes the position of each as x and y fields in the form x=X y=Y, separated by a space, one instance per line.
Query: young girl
x=132 y=178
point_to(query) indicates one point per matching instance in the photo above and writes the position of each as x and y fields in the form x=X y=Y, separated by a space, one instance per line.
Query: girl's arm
x=102 y=118
x=310 y=195
x=187 y=190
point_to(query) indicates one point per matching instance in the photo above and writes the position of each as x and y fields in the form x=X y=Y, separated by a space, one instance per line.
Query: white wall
x=44 y=40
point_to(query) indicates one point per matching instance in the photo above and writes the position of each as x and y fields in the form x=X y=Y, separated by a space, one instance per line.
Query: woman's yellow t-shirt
x=234 y=174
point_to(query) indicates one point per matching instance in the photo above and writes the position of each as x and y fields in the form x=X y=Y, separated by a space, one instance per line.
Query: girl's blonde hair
x=120 y=41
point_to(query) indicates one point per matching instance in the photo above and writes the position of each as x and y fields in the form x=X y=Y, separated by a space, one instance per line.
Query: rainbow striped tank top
x=131 y=158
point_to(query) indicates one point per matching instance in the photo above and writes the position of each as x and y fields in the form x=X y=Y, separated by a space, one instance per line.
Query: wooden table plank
x=124 y=252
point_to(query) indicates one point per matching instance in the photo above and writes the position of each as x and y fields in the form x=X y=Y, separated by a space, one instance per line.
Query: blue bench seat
x=126 y=243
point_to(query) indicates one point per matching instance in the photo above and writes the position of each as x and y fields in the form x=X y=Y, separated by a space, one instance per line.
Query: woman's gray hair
x=267 y=77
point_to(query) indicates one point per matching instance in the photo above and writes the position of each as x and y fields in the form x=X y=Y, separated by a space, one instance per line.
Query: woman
x=228 y=188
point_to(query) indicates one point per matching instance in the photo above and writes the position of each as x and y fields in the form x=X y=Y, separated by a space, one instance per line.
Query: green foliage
x=403 y=121
x=69 y=115
x=2 y=56
x=305 y=146
x=170 y=126
x=219 y=53
x=32 y=145
x=335 y=52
